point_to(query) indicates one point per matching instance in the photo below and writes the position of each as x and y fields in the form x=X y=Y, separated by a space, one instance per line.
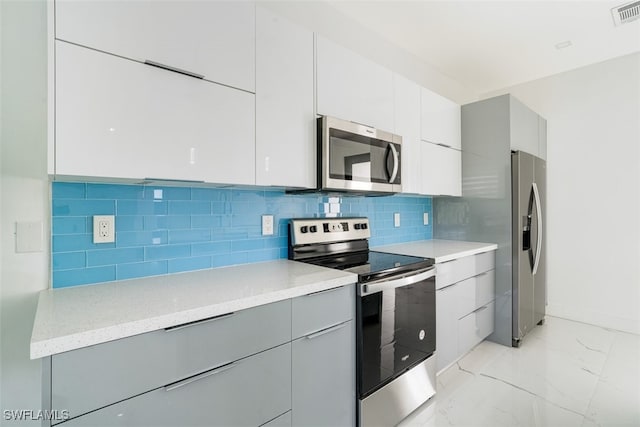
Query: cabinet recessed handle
x=199 y=377
x=478 y=310
x=321 y=292
x=198 y=322
x=326 y=331
x=174 y=69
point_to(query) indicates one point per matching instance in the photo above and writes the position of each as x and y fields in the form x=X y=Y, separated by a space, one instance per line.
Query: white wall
x=593 y=190
x=320 y=17
x=24 y=194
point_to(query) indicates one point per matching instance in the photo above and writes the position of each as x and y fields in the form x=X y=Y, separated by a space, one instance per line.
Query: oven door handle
x=383 y=285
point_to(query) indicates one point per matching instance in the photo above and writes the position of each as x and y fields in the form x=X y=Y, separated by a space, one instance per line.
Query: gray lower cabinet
x=283 y=420
x=323 y=377
x=248 y=392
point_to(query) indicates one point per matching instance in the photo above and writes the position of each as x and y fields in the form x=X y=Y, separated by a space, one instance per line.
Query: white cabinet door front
x=122 y=119
x=441 y=170
x=285 y=120
x=440 y=120
x=353 y=88
x=407 y=124
x=213 y=38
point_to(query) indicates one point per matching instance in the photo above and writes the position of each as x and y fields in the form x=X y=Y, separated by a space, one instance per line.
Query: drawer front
x=475 y=327
x=311 y=313
x=475 y=292
x=249 y=392
x=89 y=378
x=454 y=271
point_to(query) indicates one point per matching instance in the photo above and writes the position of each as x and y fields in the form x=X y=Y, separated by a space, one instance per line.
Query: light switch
x=396 y=219
x=29 y=237
x=425 y=218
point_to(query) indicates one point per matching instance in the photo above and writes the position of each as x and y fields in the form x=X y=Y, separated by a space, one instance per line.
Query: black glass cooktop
x=370 y=265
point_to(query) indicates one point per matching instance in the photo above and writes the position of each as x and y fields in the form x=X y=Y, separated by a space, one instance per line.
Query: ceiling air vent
x=626 y=13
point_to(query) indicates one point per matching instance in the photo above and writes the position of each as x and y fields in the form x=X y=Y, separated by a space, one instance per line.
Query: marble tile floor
x=564 y=374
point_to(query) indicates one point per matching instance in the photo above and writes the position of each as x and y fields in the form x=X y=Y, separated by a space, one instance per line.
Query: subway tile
x=167 y=193
x=247 y=245
x=167 y=222
x=219 y=208
x=263 y=255
x=275 y=242
x=114 y=191
x=206 y=221
x=141 y=207
x=68 y=190
x=166 y=252
x=189 y=236
x=239 y=220
x=76 y=242
x=189 y=264
x=247 y=196
x=72 y=207
x=114 y=256
x=210 y=248
x=229 y=259
x=69 y=225
x=141 y=269
x=198 y=207
x=129 y=223
x=211 y=194
x=141 y=238
x=83 y=276
x=68 y=260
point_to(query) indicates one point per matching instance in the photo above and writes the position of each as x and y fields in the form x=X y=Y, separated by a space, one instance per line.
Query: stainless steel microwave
x=357 y=158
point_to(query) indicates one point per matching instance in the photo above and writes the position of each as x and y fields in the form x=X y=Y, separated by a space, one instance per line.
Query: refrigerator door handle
x=536 y=194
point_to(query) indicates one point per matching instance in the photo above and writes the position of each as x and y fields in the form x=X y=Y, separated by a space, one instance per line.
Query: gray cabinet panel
x=283 y=420
x=311 y=313
x=87 y=379
x=323 y=378
x=250 y=392
x=524 y=127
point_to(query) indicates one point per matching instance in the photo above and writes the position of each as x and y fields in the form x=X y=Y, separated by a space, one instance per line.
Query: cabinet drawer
x=92 y=377
x=251 y=391
x=454 y=271
x=313 y=312
x=475 y=292
x=475 y=327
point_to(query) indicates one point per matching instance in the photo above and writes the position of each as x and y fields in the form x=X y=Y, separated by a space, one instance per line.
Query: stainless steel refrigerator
x=503 y=202
x=528 y=187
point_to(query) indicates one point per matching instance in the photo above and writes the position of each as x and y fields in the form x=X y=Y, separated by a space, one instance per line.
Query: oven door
x=396 y=327
x=359 y=158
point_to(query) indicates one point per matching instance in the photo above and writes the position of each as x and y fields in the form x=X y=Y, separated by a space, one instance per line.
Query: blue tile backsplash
x=161 y=230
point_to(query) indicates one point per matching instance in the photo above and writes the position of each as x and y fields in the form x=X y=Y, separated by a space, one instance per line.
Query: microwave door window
x=357 y=158
x=358 y=167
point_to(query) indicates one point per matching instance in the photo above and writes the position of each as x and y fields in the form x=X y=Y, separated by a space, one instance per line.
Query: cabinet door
x=441 y=170
x=475 y=327
x=285 y=120
x=407 y=124
x=249 y=392
x=323 y=378
x=524 y=127
x=440 y=120
x=122 y=119
x=213 y=38
x=446 y=327
x=351 y=87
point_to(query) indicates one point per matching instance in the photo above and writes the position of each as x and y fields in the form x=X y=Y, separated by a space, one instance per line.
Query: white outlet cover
x=267 y=225
x=425 y=218
x=396 y=219
x=104 y=228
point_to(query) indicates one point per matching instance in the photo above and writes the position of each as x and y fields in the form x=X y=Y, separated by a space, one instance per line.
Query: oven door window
x=359 y=158
x=398 y=331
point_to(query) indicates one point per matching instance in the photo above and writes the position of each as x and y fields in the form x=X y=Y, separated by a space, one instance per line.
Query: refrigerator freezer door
x=524 y=225
x=540 y=276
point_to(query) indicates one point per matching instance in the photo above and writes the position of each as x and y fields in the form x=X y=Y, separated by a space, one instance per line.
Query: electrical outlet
x=104 y=230
x=267 y=225
x=425 y=218
x=396 y=219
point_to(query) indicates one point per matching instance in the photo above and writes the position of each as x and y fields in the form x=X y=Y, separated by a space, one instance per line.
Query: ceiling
x=490 y=45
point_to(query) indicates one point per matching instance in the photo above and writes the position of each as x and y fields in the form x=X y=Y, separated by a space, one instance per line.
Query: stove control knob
x=304 y=229
x=364 y=226
x=357 y=226
x=313 y=229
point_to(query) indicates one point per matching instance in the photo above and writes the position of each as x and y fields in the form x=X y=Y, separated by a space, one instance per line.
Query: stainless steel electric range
x=396 y=315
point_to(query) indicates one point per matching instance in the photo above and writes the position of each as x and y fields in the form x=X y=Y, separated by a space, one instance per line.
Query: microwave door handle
x=394 y=172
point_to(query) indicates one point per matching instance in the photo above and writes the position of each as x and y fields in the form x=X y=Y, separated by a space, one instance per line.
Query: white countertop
x=439 y=250
x=76 y=317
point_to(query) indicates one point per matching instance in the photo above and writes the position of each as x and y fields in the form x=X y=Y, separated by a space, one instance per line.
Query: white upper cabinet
x=118 y=118
x=441 y=170
x=524 y=127
x=285 y=118
x=407 y=124
x=215 y=39
x=351 y=87
x=440 y=120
